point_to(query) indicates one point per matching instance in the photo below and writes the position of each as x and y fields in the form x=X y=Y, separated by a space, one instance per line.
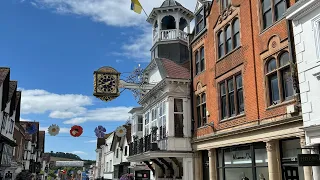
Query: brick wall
x=247 y=59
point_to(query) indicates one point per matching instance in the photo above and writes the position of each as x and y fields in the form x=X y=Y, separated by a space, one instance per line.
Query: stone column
x=307 y=170
x=197 y=166
x=273 y=163
x=212 y=164
x=315 y=169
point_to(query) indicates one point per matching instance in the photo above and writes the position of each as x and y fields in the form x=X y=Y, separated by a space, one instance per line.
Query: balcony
x=168 y=35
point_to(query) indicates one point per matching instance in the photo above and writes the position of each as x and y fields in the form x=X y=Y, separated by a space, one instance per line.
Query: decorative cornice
x=270 y=146
x=301 y=9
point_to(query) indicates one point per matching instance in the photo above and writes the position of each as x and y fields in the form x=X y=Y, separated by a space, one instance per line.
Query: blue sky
x=53 y=47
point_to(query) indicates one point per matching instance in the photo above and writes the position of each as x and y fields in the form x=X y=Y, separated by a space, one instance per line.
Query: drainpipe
x=191 y=88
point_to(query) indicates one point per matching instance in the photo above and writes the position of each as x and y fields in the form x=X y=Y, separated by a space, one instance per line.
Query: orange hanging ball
x=76 y=131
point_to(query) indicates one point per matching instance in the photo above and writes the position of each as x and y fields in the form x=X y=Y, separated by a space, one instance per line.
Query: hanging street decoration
x=121 y=131
x=31 y=128
x=76 y=131
x=100 y=131
x=53 y=130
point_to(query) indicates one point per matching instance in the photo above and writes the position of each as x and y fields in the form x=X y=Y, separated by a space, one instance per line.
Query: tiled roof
x=12 y=88
x=3 y=73
x=173 y=70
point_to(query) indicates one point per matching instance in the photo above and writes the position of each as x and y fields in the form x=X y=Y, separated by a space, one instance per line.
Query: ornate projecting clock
x=106 y=83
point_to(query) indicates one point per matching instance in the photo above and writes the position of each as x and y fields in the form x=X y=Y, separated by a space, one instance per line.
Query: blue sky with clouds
x=53 y=47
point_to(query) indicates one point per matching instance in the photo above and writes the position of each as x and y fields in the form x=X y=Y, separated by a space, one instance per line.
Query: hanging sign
x=308 y=159
x=100 y=131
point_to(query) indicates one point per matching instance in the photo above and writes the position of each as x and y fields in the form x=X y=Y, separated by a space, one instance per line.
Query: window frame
x=278 y=71
x=236 y=105
x=198 y=21
x=162 y=120
x=178 y=134
x=224 y=4
x=11 y=126
x=273 y=12
x=199 y=60
x=223 y=31
x=201 y=105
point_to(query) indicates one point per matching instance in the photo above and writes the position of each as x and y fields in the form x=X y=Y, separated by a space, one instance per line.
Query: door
x=291 y=173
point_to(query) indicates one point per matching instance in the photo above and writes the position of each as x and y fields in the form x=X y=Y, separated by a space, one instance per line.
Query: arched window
x=220 y=44
x=228 y=38
x=236 y=33
x=279 y=79
x=272 y=11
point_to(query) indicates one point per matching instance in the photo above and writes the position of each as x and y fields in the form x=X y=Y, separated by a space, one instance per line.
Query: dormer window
x=200 y=21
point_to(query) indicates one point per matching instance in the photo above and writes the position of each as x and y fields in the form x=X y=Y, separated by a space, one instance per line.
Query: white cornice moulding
x=299 y=12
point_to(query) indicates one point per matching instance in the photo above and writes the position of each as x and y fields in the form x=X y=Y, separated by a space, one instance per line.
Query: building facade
x=108 y=157
x=166 y=108
x=305 y=18
x=245 y=96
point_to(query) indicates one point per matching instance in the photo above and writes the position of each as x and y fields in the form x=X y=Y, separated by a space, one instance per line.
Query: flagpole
x=144 y=12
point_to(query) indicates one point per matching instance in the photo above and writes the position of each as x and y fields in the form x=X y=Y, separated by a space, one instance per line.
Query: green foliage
x=65 y=155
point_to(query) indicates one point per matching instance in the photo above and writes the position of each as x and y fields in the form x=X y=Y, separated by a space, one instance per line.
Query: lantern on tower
x=106 y=83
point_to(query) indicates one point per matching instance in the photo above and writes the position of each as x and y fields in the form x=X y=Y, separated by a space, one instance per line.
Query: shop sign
x=308 y=159
x=69 y=163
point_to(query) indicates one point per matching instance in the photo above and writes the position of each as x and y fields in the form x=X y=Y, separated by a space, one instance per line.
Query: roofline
x=301 y=8
x=189 y=13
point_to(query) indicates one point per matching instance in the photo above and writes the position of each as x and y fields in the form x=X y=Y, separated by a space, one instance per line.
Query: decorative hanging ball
x=31 y=128
x=76 y=131
x=53 y=130
x=121 y=131
x=100 y=131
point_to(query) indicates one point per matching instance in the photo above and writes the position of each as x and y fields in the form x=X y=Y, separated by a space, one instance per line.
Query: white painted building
x=166 y=143
x=108 y=157
x=305 y=16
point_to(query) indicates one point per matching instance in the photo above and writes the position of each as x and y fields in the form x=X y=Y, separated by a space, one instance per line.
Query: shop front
x=250 y=161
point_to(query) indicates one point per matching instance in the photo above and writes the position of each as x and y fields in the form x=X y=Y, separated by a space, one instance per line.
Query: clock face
x=107 y=83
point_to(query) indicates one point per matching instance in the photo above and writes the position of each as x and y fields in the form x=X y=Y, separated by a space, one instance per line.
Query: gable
x=198 y=6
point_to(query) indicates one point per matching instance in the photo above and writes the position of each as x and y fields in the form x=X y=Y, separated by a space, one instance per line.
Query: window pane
x=230 y=85
x=239 y=81
x=197 y=57
x=220 y=43
x=284 y=59
x=238 y=157
x=202 y=53
x=266 y=5
x=274 y=89
x=287 y=83
x=236 y=33
x=222 y=89
x=198 y=100
x=199 y=16
x=228 y=32
x=178 y=107
x=223 y=107
x=262 y=173
x=235 y=26
x=178 y=125
x=240 y=101
x=261 y=157
x=203 y=97
x=229 y=45
x=202 y=65
x=238 y=173
x=232 y=109
x=199 y=116
x=280 y=9
x=272 y=65
x=267 y=19
x=204 y=112
x=197 y=68
x=140 y=119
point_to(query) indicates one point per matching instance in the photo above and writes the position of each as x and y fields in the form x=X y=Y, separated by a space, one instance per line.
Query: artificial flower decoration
x=121 y=131
x=53 y=130
x=100 y=131
x=76 y=131
x=31 y=128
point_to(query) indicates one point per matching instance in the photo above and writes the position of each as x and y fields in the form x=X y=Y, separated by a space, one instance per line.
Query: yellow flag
x=136 y=6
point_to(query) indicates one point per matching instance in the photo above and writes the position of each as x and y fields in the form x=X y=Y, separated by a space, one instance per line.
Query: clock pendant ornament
x=106 y=83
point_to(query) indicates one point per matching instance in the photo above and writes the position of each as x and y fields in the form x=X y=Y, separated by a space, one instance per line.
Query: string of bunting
x=75 y=131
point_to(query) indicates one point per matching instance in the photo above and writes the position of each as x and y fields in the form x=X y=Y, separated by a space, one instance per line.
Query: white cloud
x=78 y=152
x=21 y=119
x=62 y=129
x=103 y=114
x=91 y=141
x=115 y=13
x=71 y=106
x=40 y=101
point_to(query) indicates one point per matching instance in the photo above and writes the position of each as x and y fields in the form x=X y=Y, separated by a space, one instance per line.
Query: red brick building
x=246 y=109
